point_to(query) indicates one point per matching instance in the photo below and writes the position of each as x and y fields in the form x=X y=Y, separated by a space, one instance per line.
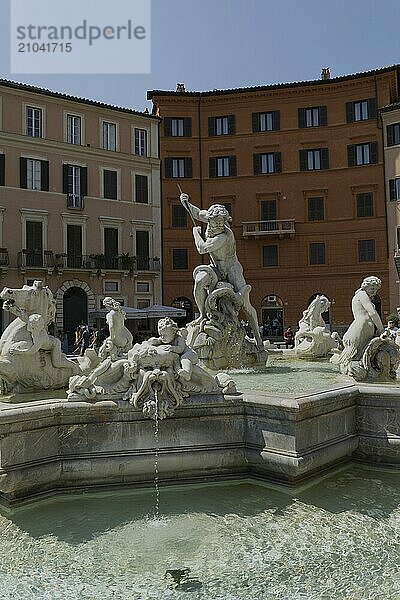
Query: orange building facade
x=300 y=166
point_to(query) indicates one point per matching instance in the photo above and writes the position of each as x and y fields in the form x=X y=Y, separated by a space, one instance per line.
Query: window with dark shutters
x=268 y=210
x=365 y=204
x=366 y=250
x=45 y=175
x=394 y=189
x=317 y=253
x=270 y=256
x=179 y=216
x=23 y=173
x=141 y=189
x=301 y=115
x=143 y=250
x=303 y=160
x=393 y=134
x=324 y=158
x=180 y=259
x=232 y=166
x=315 y=208
x=211 y=126
x=351 y=155
x=110 y=184
x=111 y=246
x=224 y=125
x=84 y=181
x=212 y=166
x=2 y=169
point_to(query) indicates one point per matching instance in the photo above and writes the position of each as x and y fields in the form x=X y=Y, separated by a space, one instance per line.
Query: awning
x=157 y=311
x=131 y=313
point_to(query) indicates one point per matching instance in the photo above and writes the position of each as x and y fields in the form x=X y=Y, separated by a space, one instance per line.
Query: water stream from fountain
x=156 y=445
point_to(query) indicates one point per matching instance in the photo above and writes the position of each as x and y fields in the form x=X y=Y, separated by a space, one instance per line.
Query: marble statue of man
x=219 y=243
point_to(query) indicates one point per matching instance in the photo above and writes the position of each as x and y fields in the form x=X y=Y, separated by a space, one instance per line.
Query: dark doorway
x=75 y=312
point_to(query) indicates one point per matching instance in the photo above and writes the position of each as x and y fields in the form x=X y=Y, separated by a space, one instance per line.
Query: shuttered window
x=366 y=250
x=266 y=121
x=140 y=142
x=180 y=259
x=110 y=183
x=221 y=125
x=143 y=250
x=179 y=216
x=270 y=162
x=34 y=174
x=365 y=204
x=178 y=167
x=270 y=256
x=394 y=189
x=393 y=134
x=361 y=110
x=141 y=189
x=315 y=206
x=362 y=154
x=312 y=117
x=314 y=160
x=177 y=126
x=317 y=253
x=222 y=166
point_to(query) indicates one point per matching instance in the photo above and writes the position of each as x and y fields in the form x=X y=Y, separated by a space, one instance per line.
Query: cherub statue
x=173 y=340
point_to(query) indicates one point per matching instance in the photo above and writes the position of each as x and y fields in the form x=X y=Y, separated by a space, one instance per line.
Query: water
x=289 y=376
x=339 y=539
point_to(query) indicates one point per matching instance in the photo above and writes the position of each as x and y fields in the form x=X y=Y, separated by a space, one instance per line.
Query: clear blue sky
x=233 y=43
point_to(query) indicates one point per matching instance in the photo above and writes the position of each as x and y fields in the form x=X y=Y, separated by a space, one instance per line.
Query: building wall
x=392 y=170
x=51 y=207
x=293 y=280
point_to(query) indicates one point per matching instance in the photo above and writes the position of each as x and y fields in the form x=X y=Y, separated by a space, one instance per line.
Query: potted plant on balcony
x=127 y=262
x=99 y=260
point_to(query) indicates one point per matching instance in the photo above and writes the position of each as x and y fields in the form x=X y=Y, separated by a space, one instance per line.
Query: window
x=314 y=160
x=178 y=167
x=74 y=246
x=141 y=189
x=270 y=256
x=221 y=125
x=312 y=117
x=179 y=216
x=143 y=287
x=177 y=126
x=74 y=184
x=365 y=204
x=179 y=259
x=317 y=253
x=361 y=110
x=111 y=247
x=2 y=169
x=140 y=142
x=394 y=189
x=266 y=121
x=270 y=162
x=74 y=127
x=110 y=184
x=222 y=166
x=34 y=122
x=268 y=210
x=316 y=210
x=34 y=174
x=143 y=250
x=362 y=154
x=366 y=250
x=393 y=134
x=34 y=243
x=109 y=136
x=142 y=304
x=111 y=286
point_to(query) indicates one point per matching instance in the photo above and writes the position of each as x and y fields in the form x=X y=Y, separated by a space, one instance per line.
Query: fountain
x=102 y=436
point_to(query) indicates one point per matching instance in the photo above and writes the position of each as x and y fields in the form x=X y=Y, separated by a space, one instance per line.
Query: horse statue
x=312 y=340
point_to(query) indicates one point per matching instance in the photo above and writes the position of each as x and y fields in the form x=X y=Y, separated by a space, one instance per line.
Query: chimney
x=180 y=87
x=325 y=73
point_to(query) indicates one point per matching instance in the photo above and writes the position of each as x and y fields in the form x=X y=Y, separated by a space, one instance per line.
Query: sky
x=208 y=44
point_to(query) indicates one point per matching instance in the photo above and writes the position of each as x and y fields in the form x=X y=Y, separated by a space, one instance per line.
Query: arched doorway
x=187 y=305
x=326 y=315
x=75 y=310
x=272 y=313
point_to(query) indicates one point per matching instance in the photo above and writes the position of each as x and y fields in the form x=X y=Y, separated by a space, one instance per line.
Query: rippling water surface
x=338 y=539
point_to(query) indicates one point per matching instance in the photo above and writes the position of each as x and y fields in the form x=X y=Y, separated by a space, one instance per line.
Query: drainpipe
x=200 y=151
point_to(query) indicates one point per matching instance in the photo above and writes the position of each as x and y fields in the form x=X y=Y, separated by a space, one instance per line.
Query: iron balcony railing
x=75 y=201
x=36 y=259
x=148 y=264
x=261 y=228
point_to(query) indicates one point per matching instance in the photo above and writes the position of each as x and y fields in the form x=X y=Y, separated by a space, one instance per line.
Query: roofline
x=389 y=107
x=45 y=92
x=276 y=86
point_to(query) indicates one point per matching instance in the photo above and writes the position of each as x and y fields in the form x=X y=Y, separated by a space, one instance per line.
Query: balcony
x=280 y=228
x=148 y=264
x=75 y=201
x=4 y=260
x=36 y=259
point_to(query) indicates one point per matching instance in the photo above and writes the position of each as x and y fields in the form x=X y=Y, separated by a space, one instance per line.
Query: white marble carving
x=155 y=376
x=368 y=352
x=312 y=340
x=120 y=339
x=30 y=358
x=220 y=292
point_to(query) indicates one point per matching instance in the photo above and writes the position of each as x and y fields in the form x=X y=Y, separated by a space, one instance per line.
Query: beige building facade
x=80 y=201
x=391 y=139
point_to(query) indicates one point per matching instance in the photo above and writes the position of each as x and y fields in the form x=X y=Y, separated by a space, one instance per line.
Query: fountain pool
x=284 y=375
x=335 y=539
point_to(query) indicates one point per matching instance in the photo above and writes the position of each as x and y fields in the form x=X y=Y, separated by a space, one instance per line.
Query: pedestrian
x=85 y=340
x=289 y=338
